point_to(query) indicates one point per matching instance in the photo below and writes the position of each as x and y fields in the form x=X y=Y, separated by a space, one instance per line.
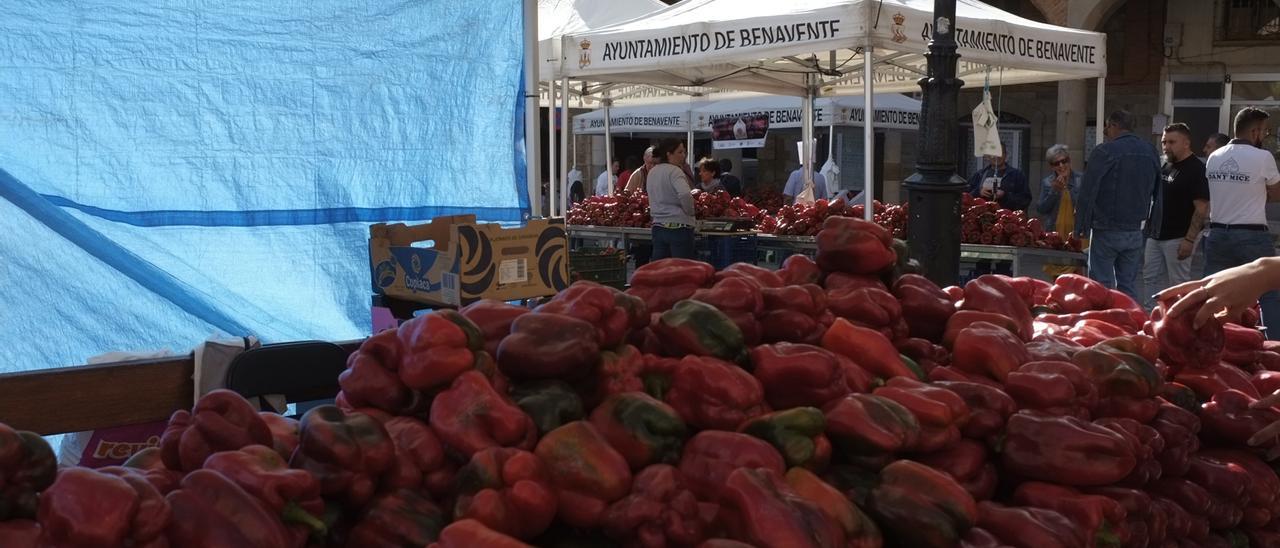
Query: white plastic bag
x=986 y=136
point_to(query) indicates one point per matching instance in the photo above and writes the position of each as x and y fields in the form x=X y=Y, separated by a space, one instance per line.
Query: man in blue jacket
x=999 y=181
x=1115 y=197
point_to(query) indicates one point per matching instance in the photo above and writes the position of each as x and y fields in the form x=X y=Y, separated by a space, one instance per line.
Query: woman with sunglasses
x=1056 y=207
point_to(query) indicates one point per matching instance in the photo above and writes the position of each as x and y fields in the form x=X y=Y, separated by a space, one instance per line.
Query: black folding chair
x=305 y=372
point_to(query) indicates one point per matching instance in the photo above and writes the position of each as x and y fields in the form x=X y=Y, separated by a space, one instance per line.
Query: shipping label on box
x=455 y=261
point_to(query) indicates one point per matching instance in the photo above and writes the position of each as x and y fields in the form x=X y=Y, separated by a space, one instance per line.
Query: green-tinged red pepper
x=1052 y=348
x=508 y=490
x=1182 y=345
x=221 y=420
x=150 y=464
x=926 y=354
x=642 y=429
x=799 y=269
x=294 y=495
x=760 y=275
x=709 y=393
x=1210 y=380
x=284 y=432
x=660 y=511
x=919 y=506
x=211 y=511
x=925 y=306
x=1096 y=516
x=989 y=407
x=493 y=318
x=795 y=375
x=466 y=533
x=987 y=349
x=749 y=324
x=699 y=329
x=763 y=510
x=866 y=306
x=733 y=294
x=1228 y=486
x=347 y=452
x=859 y=530
x=1140 y=344
x=965 y=318
x=421 y=463
x=869 y=349
x=1139 y=517
x=549 y=346
x=869 y=429
x=1029 y=527
x=437 y=347
x=114 y=506
x=399 y=518
x=854 y=246
x=790 y=326
x=856 y=378
x=551 y=404
x=471 y=416
x=940 y=412
x=1118 y=373
x=587 y=473
x=620 y=371
x=1056 y=388
x=966 y=462
x=1066 y=450
x=797 y=434
x=663 y=283
x=711 y=455
x=27 y=466
x=1227 y=417
x=597 y=305
x=1073 y=294
x=1147 y=446
x=991 y=293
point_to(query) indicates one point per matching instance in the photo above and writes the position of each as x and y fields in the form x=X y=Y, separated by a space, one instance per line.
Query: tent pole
x=552 y=160
x=533 y=154
x=868 y=134
x=806 y=133
x=688 y=144
x=1102 y=110
x=564 y=146
x=608 y=141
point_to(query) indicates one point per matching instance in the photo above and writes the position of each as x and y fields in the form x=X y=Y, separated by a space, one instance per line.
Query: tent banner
x=884 y=118
x=777 y=118
x=593 y=122
x=748 y=131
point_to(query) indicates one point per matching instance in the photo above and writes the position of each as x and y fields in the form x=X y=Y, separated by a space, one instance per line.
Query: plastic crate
x=597 y=264
x=722 y=251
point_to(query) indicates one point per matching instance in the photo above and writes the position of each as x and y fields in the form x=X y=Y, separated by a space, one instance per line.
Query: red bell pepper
x=1263 y=487
x=371 y=378
x=940 y=412
x=619 y=371
x=347 y=452
x=20 y=533
x=1091 y=332
x=545 y=345
x=854 y=246
x=1140 y=515
x=493 y=318
x=1215 y=379
x=1066 y=450
x=284 y=433
x=114 y=506
x=1073 y=294
x=870 y=307
x=989 y=407
x=919 y=506
x=965 y=318
x=466 y=533
x=1147 y=446
x=1140 y=344
x=926 y=354
x=1227 y=484
x=437 y=347
x=984 y=348
x=150 y=464
x=663 y=283
x=508 y=490
x=764 y=511
x=799 y=269
x=797 y=433
x=471 y=416
x=868 y=348
x=293 y=495
x=1181 y=344
x=1098 y=517
x=948 y=373
x=981 y=538
x=421 y=462
x=221 y=420
x=399 y=518
x=642 y=429
x=1192 y=498
x=841 y=280
x=924 y=305
x=587 y=473
x=733 y=294
x=211 y=511
x=660 y=511
x=711 y=455
x=1029 y=527
x=699 y=329
x=1178 y=428
x=966 y=461
x=870 y=429
x=990 y=293
x=27 y=466
x=795 y=375
x=1056 y=388
x=790 y=326
x=762 y=276
x=597 y=305
x=1052 y=348
x=859 y=530
x=1228 y=417
x=1117 y=373
x=808 y=299
x=713 y=394
x=551 y=404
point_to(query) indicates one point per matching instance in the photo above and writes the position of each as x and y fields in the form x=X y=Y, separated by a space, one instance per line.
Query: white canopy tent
x=893 y=111
x=821 y=47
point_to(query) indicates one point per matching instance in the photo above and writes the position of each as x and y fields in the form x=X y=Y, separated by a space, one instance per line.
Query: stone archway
x=1092 y=18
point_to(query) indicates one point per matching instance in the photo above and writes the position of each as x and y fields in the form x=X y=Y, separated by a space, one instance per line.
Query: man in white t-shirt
x=607 y=178
x=795 y=185
x=1242 y=178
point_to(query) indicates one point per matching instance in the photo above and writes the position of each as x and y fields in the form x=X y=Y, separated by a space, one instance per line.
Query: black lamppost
x=934 y=190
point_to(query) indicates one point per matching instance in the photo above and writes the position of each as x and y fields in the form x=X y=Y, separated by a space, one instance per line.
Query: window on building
x=1247 y=20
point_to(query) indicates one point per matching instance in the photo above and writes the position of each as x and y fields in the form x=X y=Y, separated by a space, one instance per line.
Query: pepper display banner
x=745 y=131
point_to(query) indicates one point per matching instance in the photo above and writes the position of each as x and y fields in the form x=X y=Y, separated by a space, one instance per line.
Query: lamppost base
x=933 y=224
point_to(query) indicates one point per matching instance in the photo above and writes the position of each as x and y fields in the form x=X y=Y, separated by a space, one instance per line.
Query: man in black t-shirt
x=1179 y=211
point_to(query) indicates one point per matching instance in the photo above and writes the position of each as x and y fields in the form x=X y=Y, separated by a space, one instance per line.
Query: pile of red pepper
x=834 y=402
x=622 y=209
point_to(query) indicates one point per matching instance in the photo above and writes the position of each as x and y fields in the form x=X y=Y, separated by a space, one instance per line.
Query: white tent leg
x=564 y=146
x=533 y=173
x=608 y=143
x=1102 y=110
x=552 y=160
x=868 y=133
x=806 y=134
x=688 y=145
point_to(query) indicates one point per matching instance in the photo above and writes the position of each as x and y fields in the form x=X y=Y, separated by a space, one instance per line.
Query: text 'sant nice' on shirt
x=1238 y=178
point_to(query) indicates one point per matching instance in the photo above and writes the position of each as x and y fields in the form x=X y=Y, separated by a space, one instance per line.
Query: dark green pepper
x=644 y=430
x=797 y=433
x=550 y=404
x=699 y=329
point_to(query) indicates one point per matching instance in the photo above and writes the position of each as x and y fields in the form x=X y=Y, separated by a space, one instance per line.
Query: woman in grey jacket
x=671 y=202
x=1057 y=209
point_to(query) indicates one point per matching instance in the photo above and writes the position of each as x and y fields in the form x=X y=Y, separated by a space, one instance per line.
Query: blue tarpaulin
x=172 y=169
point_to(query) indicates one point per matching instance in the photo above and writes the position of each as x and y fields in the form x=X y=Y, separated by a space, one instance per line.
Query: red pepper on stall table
x=587 y=473
x=856 y=378
x=642 y=429
x=149 y=463
x=987 y=349
x=797 y=434
x=493 y=318
x=1056 y=388
x=402 y=517
x=284 y=432
x=948 y=373
x=221 y=420
x=841 y=280
x=1263 y=486
x=1208 y=381
x=1178 y=428
x=1147 y=444
x=874 y=308
x=990 y=293
x=790 y=326
x=597 y=305
x=796 y=375
x=1228 y=486
x=699 y=329
x=854 y=246
x=371 y=378
x=981 y=538
x=1193 y=499
x=1228 y=417
x=926 y=354
x=808 y=299
x=471 y=416
x=1098 y=517
x=965 y=318
x=20 y=533
x=437 y=347
x=508 y=490
x=663 y=283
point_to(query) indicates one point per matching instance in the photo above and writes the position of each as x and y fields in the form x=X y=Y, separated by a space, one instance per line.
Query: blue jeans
x=1226 y=248
x=673 y=242
x=1115 y=257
